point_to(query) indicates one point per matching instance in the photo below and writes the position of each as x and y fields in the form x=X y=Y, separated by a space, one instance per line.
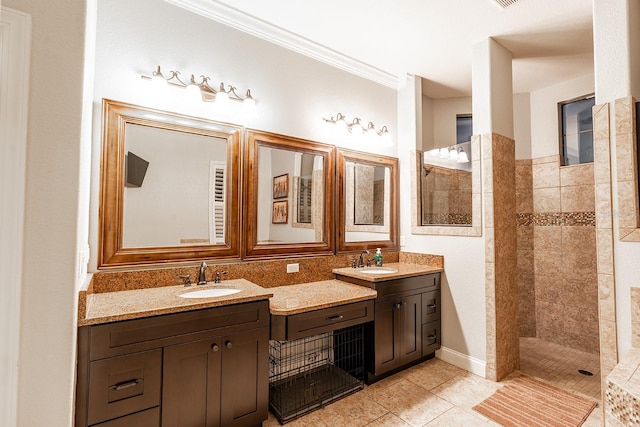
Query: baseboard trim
x=468 y=363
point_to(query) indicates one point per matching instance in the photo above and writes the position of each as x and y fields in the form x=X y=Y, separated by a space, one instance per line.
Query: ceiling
x=551 y=40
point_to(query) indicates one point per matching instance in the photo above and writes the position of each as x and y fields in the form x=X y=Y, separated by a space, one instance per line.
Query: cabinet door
x=191 y=384
x=386 y=336
x=245 y=378
x=411 y=332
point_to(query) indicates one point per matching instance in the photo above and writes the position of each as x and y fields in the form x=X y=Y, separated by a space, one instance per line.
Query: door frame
x=15 y=48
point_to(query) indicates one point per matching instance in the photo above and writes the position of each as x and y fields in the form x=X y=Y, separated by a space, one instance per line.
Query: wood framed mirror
x=169 y=187
x=367 y=201
x=288 y=196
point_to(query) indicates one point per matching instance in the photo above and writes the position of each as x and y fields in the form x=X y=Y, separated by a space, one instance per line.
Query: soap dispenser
x=377 y=258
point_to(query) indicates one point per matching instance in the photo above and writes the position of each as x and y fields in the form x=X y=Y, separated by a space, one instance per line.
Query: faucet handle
x=218 y=278
x=186 y=278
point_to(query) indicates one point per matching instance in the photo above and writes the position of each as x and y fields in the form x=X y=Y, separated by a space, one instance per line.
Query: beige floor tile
x=410 y=402
x=456 y=417
x=466 y=392
x=389 y=420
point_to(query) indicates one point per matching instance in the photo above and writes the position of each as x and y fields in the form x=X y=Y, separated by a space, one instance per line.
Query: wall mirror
x=169 y=187
x=288 y=196
x=445 y=177
x=367 y=201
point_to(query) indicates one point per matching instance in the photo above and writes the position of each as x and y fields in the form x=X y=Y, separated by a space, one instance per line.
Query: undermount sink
x=378 y=270
x=210 y=293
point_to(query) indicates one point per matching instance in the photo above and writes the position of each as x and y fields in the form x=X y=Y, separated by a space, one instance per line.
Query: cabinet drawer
x=390 y=288
x=114 y=339
x=319 y=321
x=148 y=418
x=430 y=306
x=124 y=385
x=430 y=337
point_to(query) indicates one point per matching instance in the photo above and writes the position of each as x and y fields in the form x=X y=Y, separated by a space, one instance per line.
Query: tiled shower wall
x=557 y=277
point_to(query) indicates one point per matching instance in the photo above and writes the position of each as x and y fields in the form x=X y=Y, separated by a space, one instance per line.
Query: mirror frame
x=115 y=116
x=343 y=156
x=252 y=248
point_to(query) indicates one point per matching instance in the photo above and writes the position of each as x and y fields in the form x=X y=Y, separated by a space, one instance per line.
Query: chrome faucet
x=202 y=280
x=360 y=260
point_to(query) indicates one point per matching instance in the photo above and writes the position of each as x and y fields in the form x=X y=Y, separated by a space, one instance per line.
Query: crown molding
x=264 y=30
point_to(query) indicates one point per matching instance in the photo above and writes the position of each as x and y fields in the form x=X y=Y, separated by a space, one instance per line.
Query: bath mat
x=528 y=402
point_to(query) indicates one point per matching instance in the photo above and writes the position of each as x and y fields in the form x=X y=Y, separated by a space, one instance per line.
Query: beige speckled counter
x=123 y=305
x=294 y=299
x=403 y=270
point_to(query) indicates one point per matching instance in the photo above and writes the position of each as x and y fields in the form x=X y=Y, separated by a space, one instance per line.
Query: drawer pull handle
x=215 y=347
x=228 y=344
x=126 y=384
x=397 y=305
x=431 y=337
x=431 y=306
x=334 y=318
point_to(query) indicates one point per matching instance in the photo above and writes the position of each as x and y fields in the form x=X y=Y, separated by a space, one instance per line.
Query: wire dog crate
x=310 y=372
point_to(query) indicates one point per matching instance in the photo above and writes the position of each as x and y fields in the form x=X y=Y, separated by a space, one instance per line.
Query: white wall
x=52 y=212
x=522 y=124
x=293 y=93
x=544 y=113
x=15 y=36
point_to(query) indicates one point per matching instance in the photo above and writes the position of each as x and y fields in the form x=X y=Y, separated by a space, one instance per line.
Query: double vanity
x=162 y=357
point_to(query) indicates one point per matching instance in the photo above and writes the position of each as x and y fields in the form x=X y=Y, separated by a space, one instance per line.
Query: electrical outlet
x=402 y=241
x=293 y=268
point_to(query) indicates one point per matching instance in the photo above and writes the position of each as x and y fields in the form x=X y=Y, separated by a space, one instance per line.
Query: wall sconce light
x=356 y=128
x=202 y=91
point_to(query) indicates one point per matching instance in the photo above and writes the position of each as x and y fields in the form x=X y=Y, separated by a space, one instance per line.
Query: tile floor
x=435 y=393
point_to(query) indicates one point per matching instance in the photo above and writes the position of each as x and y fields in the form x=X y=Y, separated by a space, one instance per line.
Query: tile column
x=493 y=124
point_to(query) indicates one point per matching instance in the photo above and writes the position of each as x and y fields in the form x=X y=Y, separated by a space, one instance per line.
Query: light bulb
x=249 y=105
x=340 y=122
x=157 y=79
x=433 y=153
x=192 y=92
x=462 y=157
x=386 y=136
x=444 y=153
x=453 y=154
x=356 y=127
x=222 y=99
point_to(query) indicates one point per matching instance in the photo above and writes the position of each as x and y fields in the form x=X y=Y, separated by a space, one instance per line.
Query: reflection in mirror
x=288 y=196
x=368 y=204
x=169 y=187
x=446 y=186
x=180 y=199
x=369 y=185
x=304 y=221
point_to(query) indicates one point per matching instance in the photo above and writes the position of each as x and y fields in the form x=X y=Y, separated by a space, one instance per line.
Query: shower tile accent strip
x=587 y=219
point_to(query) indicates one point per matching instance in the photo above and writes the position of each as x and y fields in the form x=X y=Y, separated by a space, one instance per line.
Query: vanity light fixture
x=356 y=128
x=204 y=92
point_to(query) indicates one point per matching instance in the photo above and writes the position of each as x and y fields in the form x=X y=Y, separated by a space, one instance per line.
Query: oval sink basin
x=210 y=293
x=378 y=270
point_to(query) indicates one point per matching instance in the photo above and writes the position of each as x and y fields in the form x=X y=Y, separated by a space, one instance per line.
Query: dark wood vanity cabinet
x=204 y=368
x=406 y=325
x=397 y=333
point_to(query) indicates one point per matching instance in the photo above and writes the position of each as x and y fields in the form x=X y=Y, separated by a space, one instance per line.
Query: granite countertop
x=124 y=305
x=403 y=270
x=294 y=299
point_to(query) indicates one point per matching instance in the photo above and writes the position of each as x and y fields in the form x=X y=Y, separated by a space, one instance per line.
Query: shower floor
x=559 y=365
